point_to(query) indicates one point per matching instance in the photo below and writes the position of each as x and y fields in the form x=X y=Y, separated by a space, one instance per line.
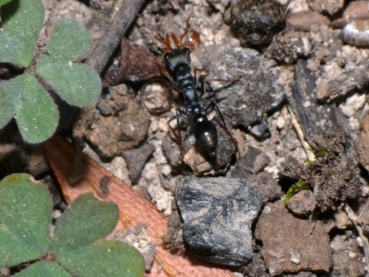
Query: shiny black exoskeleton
x=178 y=62
x=206 y=135
x=178 y=70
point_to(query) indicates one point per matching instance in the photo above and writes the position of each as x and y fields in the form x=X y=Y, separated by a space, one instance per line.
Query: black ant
x=178 y=63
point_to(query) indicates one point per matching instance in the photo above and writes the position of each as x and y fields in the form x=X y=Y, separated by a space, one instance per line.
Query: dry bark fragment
x=137 y=63
x=314 y=118
x=114 y=34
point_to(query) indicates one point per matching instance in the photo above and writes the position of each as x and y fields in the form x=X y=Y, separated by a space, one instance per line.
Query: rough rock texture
x=268 y=186
x=256 y=268
x=136 y=159
x=255 y=22
x=346 y=256
x=291 y=244
x=117 y=125
x=326 y=6
x=218 y=214
x=245 y=102
x=364 y=217
x=137 y=64
x=302 y=203
x=251 y=167
x=253 y=162
x=288 y=47
x=362 y=143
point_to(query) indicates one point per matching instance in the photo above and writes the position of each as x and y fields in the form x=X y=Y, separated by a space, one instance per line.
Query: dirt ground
x=294 y=99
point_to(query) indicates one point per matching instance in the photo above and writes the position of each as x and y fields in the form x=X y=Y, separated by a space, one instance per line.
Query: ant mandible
x=178 y=63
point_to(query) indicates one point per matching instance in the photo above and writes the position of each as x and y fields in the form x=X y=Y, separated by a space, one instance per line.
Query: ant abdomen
x=206 y=135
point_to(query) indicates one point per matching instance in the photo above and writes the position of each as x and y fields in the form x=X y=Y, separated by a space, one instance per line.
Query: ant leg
x=224 y=80
x=194 y=38
x=203 y=83
x=166 y=42
x=213 y=105
x=193 y=41
x=178 y=136
x=186 y=29
x=195 y=80
x=178 y=41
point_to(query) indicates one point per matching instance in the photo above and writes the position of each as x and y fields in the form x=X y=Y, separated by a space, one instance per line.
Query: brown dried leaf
x=133 y=210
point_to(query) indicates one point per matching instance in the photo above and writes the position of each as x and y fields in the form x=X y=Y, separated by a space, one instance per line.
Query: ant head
x=177 y=57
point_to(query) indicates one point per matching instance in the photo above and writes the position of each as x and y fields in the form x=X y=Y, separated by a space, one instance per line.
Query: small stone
x=346 y=266
x=302 y=203
x=139 y=238
x=326 y=6
x=161 y=198
x=364 y=217
x=279 y=232
x=119 y=123
x=218 y=214
x=256 y=21
x=362 y=142
x=56 y=214
x=268 y=186
x=137 y=64
x=295 y=256
x=36 y=162
x=253 y=162
x=288 y=47
x=136 y=159
x=342 y=220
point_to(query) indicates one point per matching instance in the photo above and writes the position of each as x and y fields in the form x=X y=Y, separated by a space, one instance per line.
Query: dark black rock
x=256 y=21
x=315 y=119
x=260 y=130
x=218 y=214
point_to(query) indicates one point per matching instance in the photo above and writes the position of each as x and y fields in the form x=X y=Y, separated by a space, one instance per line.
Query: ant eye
x=166 y=56
x=187 y=51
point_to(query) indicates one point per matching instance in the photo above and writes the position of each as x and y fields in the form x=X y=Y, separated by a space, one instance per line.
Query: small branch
x=118 y=26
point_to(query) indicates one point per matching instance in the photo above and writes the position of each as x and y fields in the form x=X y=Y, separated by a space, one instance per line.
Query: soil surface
x=291 y=118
